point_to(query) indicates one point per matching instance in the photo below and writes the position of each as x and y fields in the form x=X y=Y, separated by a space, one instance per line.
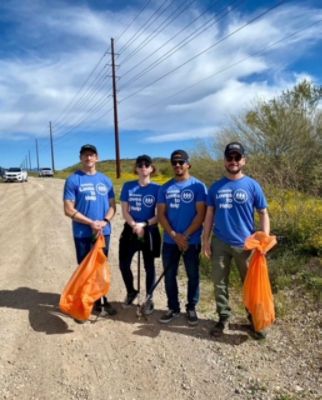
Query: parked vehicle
x=15 y=175
x=46 y=172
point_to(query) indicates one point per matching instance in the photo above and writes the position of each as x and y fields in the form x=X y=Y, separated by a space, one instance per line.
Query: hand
x=138 y=229
x=181 y=241
x=97 y=226
x=207 y=249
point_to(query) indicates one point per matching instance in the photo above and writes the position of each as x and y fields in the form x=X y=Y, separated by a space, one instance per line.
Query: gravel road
x=45 y=355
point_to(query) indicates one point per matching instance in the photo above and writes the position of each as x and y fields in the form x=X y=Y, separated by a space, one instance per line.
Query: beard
x=233 y=171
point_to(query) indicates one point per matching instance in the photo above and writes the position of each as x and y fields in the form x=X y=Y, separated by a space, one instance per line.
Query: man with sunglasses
x=232 y=202
x=181 y=211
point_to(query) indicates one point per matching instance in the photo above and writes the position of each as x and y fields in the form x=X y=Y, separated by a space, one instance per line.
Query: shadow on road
x=42 y=308
x=151 y=327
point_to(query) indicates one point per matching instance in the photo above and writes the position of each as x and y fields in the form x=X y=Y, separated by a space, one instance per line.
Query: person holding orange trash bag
x=89 y=200
x=232 y=202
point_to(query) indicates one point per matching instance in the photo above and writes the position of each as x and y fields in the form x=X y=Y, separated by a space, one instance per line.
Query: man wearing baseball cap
x=181 y=211
x=232 y=202
x=89 y=201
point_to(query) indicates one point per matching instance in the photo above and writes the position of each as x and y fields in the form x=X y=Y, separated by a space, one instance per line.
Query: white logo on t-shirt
x=148 y=200
x=101 y=189
x=240 y=196
x=187 y=196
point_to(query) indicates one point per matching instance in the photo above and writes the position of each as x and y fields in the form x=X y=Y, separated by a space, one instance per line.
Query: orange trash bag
x=257 y=292
x=89 y=282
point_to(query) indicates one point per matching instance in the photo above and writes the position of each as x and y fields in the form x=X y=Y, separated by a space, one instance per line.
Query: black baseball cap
x=143 y=158
x=179 y=155
x=234 y=147
x=88 y=147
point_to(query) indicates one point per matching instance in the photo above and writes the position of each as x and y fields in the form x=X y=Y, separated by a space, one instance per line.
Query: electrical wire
x=257 y=17
x=210 y=22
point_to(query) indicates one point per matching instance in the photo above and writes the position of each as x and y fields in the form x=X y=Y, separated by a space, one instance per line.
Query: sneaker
x=257 y=335
x=103 y=307
x=148 y=307
x=192 y=317
x=98 y=306
x=130 y=297
x=79 y=321
x=219 y=327
x=168 y=316
x=109 y=309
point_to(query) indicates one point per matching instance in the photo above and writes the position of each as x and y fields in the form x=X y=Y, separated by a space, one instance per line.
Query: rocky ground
x=46 y=355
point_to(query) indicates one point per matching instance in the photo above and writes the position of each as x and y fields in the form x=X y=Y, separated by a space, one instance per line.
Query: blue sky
x=184 y=67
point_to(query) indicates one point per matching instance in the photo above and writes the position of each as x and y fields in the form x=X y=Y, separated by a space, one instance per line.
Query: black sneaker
x=168 y=316
x=148 y=307
x=257 y=335
x=109 y=309
x=79 y=321
x=98 y=305
x=103 y=307
x=219 y=327
x=192 y=317
x=130 y=297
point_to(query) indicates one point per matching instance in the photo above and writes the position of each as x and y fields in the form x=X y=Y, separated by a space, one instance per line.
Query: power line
x=64 y=112
x=134 y=19
x=210 y=22
x=95 y=107
x=204 y=51
x=161 y=27
x=86 y=98
x=234 y=64
x=147 y=22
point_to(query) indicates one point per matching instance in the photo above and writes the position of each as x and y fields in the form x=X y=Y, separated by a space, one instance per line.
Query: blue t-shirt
x=180 y=198
x=141 y=199
x=92 y=195
x=235 y=202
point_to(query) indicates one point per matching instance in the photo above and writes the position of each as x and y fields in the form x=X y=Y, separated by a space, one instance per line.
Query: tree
x=283 y=137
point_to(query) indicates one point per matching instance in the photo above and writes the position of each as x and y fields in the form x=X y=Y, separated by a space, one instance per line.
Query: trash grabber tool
x=150 y=294
x=138 y=306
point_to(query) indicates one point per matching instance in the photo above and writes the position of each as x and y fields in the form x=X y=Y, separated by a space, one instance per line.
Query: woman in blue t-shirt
x=140 y=233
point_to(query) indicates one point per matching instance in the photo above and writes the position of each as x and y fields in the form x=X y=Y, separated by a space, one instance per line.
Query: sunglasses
x=143 y=164
x=176 y=162
x=237 y=158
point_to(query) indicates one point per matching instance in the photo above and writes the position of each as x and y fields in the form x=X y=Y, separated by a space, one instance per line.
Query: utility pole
x=37 y=154
x=29 y=161
x=51 y=148
x=116 y=124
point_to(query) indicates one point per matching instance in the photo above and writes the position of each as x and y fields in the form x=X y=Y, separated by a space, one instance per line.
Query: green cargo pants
x=222 y=255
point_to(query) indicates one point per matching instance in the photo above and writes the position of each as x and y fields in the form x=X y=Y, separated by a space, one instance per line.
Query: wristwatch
x=106 y=220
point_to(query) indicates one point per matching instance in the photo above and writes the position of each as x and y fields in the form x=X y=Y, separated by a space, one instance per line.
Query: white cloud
x=56 y=51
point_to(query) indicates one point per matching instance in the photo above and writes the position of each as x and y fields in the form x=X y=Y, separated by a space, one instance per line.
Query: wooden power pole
x=116 y=124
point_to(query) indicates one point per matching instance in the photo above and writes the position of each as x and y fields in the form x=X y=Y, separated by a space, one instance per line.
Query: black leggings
x=129 y=245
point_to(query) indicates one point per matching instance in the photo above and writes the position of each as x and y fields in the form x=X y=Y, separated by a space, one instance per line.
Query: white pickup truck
x=15 y=175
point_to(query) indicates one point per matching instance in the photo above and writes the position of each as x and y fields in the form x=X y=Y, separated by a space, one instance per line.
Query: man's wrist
x=107 y=220
x=173 y=234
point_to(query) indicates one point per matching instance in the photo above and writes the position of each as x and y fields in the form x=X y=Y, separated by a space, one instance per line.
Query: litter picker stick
x=138 y=306
x=150 y=294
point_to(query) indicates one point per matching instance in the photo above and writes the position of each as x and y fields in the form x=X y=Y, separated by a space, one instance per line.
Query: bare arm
x=264 y=221
x=70 y=211
x=112 y=210
x=198 y=219
x=207 y=229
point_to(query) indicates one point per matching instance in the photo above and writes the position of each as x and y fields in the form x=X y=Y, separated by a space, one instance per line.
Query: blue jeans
x=171 y=257
x=83 y=247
